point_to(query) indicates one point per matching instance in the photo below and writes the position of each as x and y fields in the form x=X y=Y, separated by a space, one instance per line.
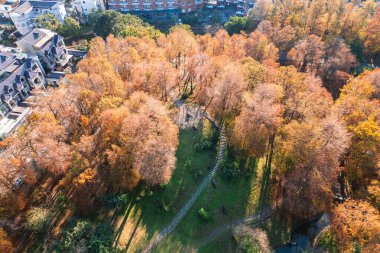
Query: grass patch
x=155 y=208
x=224 y=201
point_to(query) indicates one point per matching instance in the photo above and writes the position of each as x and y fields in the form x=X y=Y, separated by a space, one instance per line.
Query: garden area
x=126 y=222
x=234 y=193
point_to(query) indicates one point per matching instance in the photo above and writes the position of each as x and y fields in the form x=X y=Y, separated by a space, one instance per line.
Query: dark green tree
x=235 y=25
x=69 y=28
x=48 y=21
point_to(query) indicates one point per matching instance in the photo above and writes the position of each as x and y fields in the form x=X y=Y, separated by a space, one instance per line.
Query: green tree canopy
x=235 y=24
x=69 y=28
x=48 y=21
x=111 y=22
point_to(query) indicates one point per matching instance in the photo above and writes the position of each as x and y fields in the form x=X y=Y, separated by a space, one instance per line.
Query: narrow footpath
x=190 y=202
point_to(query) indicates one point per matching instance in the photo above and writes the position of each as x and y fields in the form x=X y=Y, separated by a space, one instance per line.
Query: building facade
x=19 y=74
x=7 y=6
x=184 y=6
x=48 y=46
x=23 y=16
x=85 y=7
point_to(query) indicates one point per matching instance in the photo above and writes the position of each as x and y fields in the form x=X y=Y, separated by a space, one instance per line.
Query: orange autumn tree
x=86 y=189
x=356 y=221
x=6 y=245
x=359 y=108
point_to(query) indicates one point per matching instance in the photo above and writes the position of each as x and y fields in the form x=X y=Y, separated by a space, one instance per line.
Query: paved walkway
x=201 y=187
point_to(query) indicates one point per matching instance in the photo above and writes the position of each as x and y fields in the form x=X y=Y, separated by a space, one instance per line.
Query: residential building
x=85 y=7
x=184 y=6
x=7 y=6
x=24 y=15
x=19 y=74
x=48 y=46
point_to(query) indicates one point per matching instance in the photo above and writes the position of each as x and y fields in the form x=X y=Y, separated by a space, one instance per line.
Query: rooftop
x=37 y=37
x=42 y=4
x=23 y=8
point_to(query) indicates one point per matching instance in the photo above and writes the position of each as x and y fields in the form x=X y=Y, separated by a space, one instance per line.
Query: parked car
x=239 y=13
x=221 y=6
x=210 y=6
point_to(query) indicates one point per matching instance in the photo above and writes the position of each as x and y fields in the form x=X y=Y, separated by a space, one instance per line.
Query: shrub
x=203 y=144
x=60 y=203
x=83 y=237
x=38 y=219
x=77 y=238
x=251 y=240
x=231 y=170
x=203 y=214
x=117 y=200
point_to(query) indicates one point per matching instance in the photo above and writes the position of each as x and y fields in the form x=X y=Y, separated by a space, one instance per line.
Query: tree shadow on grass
x=133 y=234
x=124 y=221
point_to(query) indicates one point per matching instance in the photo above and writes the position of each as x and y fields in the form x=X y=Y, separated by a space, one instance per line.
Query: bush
x=203 y=214
x=83 y=237
x=231 y=170
x=117 y=200
x=60 y=203
x=251 y=240
x=38 y=219
x=203 y=144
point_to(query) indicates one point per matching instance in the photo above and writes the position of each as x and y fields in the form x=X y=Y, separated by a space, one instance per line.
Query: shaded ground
x=156 y=208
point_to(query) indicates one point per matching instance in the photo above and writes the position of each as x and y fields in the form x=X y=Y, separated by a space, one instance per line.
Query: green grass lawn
x=153 y=209
x=159 y=206
x=232 y=194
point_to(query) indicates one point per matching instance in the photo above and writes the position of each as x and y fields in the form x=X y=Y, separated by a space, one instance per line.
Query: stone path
x=201 y=187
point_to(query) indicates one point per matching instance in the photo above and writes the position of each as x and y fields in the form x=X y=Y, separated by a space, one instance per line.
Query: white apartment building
x=24 y=15
x=84 y=7
x=7 y=6
x=48 y=46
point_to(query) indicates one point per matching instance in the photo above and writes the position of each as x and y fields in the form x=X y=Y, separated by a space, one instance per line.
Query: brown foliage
x=86 y=189
x=6 y=245
x=356 y=221
x=260 y=117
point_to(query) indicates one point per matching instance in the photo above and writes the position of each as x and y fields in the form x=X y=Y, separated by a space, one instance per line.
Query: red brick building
x=184 y=6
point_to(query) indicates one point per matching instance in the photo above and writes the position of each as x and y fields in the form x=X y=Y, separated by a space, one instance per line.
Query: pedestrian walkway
x=201 y=187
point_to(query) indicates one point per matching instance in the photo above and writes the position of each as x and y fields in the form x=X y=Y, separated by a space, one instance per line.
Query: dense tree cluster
x=107 y=128
x=69 y=28
x=112 y=22
x=322 y=37
x=100 y=132
x=357 y=222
